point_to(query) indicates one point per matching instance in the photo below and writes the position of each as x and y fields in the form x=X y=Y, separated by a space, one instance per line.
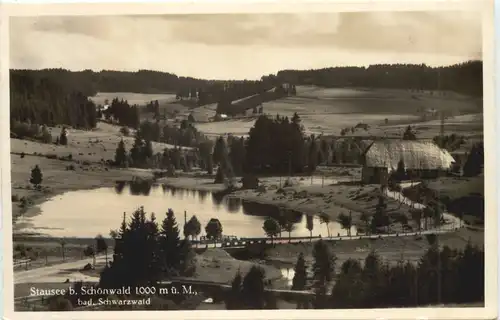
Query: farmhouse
x=421 y=158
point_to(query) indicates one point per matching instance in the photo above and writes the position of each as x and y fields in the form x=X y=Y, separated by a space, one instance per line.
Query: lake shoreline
x=86 y=181
x=89 y=180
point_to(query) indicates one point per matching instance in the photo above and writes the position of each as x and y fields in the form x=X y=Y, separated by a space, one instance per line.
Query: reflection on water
x=87 y=213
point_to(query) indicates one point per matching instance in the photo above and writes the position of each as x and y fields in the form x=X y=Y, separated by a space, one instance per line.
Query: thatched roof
x=415 y=155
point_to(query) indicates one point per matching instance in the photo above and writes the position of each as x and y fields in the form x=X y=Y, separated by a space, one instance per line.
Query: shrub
x=125 y=131
x=23 y=130
x=46 y=137
x=25 y=202
x=88 y=251
x=15 y=198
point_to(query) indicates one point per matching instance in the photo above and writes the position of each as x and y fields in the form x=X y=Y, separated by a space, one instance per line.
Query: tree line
x=89 y=83
x=273 y=146
x=59 y=96
x=465 y=78
x=441 y=276
x=288 y=150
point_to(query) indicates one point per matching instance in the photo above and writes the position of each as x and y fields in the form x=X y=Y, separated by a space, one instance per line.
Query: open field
x=84 y=145
x=327 y=111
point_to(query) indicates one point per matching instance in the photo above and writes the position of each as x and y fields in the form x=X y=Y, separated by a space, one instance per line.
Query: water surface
x=87 y=213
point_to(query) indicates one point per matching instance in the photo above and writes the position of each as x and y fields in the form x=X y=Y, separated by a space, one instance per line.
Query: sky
x=239 y=46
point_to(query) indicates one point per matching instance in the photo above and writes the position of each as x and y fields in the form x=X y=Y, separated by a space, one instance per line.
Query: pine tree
x=36 y=177
x=148 y=150
x=313 y=155
x=475 y=161
x=300 y=277
x=219 y=176
x=121 y=154
x=135 y=258
x=253 y=288
x=187 y=258
x=237 y=155
x=170 y=242
x=380 y=218
x=234 y=300
x=136 y=153
x=400 y=170
x=324 y=269
x=101 y=246
x=220 y=152
x=408 y=134
x=210 y=166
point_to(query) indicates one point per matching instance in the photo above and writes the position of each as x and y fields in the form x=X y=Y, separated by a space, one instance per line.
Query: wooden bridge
x=245 y=242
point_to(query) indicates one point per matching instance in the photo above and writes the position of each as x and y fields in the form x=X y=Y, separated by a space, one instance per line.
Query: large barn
x=422 y=158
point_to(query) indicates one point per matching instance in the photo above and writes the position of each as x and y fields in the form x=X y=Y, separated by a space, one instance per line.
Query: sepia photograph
x=248 y=161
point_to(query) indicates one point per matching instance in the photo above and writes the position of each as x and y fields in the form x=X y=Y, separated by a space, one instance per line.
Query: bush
x=25 y=202
x=46 y=137
x=125 y=131
x=23 y=130
x=15 y=198
x=88 y=251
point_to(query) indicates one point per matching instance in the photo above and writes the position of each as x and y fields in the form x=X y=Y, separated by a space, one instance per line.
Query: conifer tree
x=324 y=269
x=148 y=150
x=300 y=277
x=121 y=154
x=234 y=300
x=36 y=177
x=253 y=288
x=170 y=242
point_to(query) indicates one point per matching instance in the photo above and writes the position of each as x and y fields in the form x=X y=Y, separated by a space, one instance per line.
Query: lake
x=87 y=213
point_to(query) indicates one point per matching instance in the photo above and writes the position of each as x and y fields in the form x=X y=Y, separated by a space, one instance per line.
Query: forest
x=465 y=78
